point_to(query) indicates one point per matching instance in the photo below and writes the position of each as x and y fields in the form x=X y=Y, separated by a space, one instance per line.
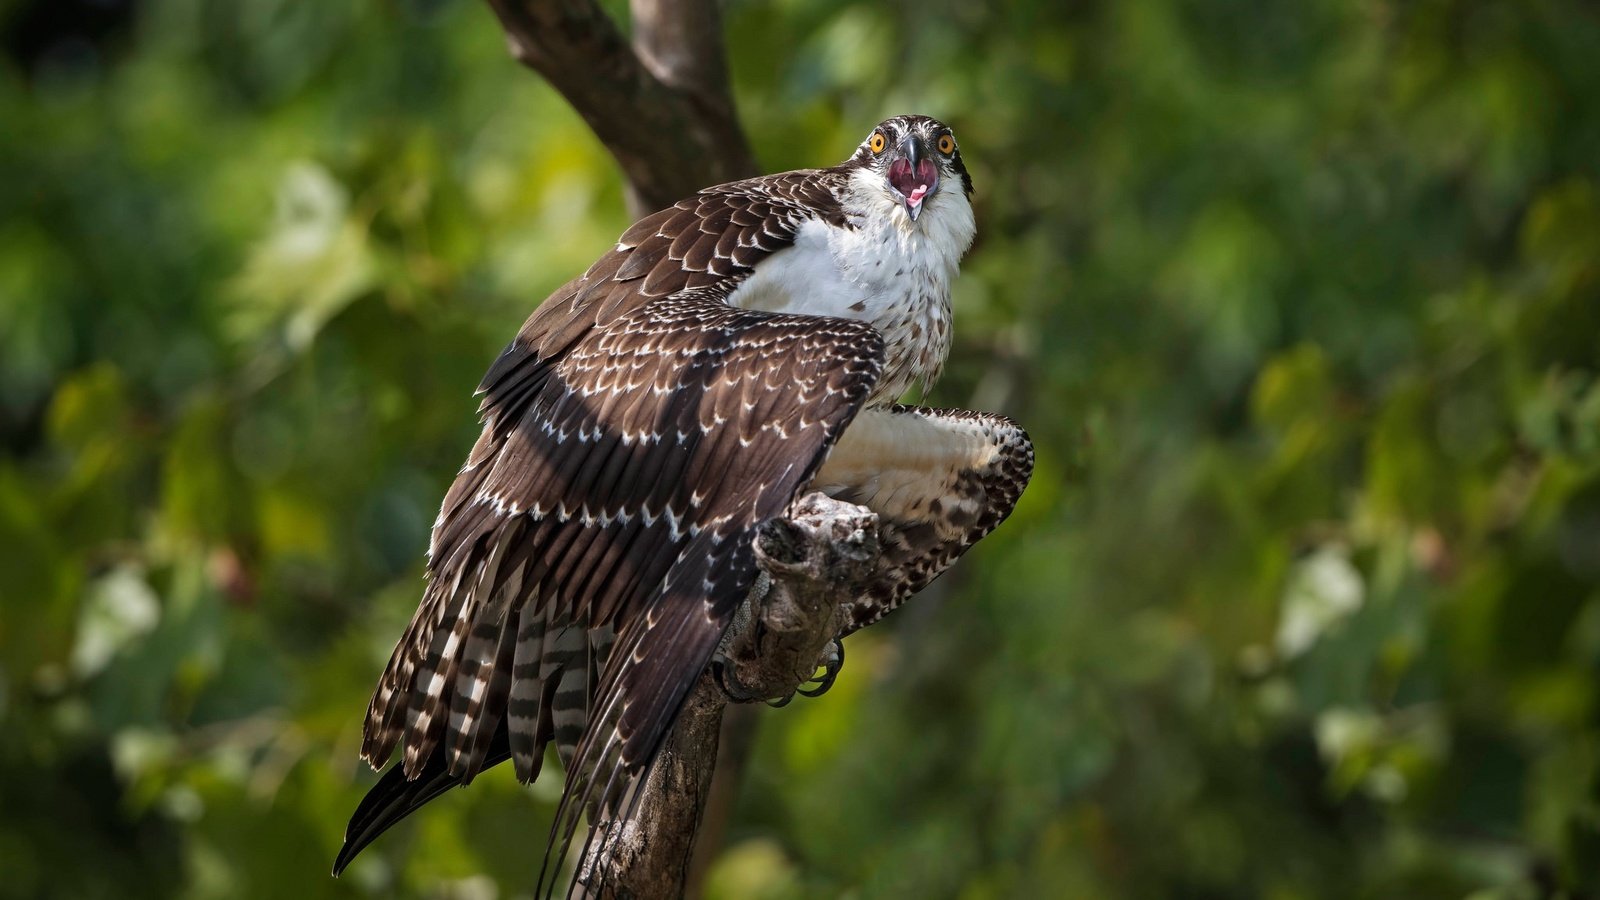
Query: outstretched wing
x=636 y=433
x=939 y=480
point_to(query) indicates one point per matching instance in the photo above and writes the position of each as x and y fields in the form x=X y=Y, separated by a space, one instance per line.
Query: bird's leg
x=722 y=668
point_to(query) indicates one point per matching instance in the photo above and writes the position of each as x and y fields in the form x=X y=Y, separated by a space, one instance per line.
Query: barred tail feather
x=386 y=714
x=503 y=687
x=566 y=666
x=528 y=711
x=483 y=682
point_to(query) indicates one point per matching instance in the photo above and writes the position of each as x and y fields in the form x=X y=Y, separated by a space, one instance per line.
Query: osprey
x=730 y=354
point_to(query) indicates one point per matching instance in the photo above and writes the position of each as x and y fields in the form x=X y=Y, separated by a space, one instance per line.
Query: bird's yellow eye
x=947 y=144
x=877 y=142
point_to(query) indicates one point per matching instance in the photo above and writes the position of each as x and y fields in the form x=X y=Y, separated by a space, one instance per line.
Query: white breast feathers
x=883 y=269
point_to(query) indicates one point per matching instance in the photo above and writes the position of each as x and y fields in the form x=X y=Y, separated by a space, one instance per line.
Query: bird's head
x=912 y=159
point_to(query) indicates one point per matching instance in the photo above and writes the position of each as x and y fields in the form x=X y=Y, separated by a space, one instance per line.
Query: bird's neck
x=905 y=270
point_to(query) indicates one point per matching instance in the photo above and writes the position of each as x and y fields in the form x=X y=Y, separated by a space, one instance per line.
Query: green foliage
x=1300 y=302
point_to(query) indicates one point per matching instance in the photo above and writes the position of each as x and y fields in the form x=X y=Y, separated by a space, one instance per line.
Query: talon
x=736 y=692
x=832 y=662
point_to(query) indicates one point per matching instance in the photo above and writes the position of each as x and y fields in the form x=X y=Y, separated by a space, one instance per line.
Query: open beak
x=913 y=176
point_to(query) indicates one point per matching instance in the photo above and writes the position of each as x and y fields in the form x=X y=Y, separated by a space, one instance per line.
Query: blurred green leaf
x=1297 y=301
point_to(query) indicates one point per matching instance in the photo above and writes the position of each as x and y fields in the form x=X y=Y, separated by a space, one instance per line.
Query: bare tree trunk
x=650 y=854
x=735 y=744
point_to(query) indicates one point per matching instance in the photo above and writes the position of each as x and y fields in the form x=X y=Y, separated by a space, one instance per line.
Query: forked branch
x=660 y=104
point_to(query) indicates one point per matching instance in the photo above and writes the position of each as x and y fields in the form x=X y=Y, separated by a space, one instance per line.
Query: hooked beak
x=913 y=176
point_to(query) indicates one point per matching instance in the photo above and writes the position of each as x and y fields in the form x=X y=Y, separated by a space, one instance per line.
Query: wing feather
x=939 y=480
x=702 y=556
x=618 y=482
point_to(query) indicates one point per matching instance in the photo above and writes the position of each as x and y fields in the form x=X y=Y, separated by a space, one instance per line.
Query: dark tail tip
x=394 y=797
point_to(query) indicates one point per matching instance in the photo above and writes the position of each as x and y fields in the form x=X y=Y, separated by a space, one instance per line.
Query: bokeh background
x=1300 y=302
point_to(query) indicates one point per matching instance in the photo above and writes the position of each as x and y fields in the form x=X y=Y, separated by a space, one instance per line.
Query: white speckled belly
x=891 y=277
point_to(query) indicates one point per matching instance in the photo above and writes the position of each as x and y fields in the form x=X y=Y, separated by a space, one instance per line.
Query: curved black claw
x=736 y=692
x=832 y=663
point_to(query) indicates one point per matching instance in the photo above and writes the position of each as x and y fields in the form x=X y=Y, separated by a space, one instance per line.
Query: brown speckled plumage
x=637 y=432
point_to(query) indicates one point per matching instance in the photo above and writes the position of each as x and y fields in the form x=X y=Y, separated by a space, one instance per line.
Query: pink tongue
x=913 y=186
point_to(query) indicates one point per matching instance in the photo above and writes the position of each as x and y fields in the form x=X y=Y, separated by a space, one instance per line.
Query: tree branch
x=812 y=563
x=661 y=105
